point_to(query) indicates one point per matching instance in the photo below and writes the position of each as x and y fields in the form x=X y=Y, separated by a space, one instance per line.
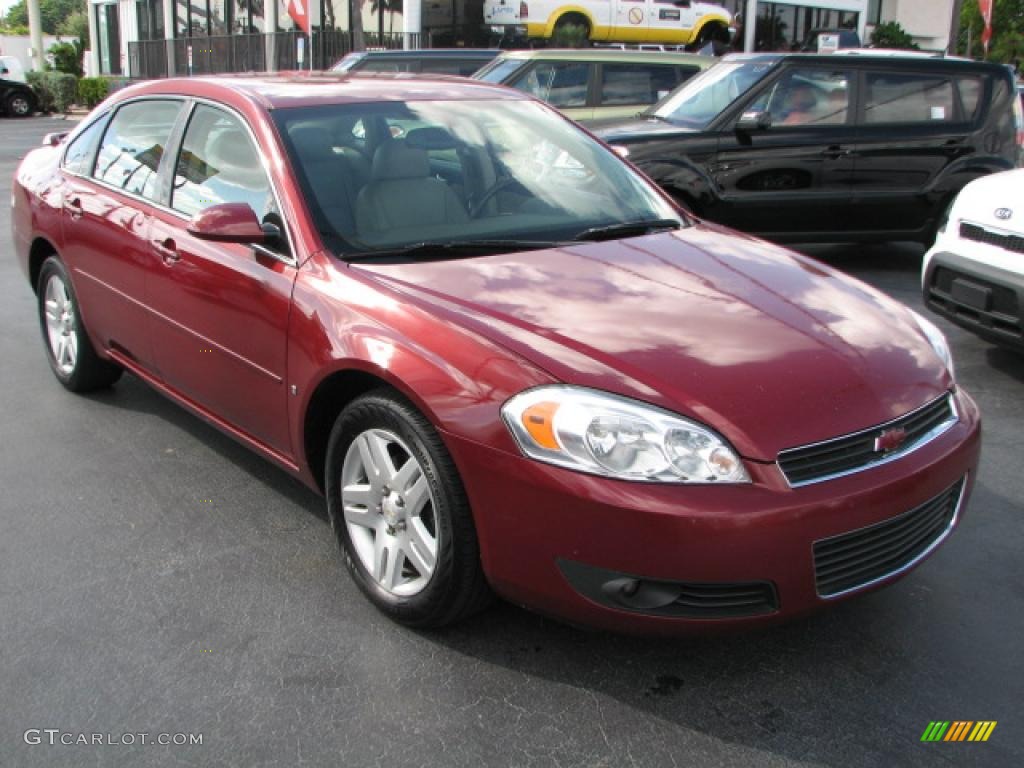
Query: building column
x=270 y=33
x=128 y=20
x=169 y=36
x=412 y=22
x=92 y=11
x=750 y=26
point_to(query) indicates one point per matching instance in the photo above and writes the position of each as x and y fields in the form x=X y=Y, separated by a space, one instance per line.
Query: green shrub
x=92 y=90
x=892 y=35
x=67 y=57
x=569 y=35
x=56 y=91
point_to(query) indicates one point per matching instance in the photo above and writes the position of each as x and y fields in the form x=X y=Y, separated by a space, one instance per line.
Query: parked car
x=627 y=21
x=594 y=83
x=17 y=99
x=11 y=69
x=805 y=148
x=508 y=360
x=974 y=274
x=438 y=61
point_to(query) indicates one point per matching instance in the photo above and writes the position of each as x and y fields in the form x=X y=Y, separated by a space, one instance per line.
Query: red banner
x=298 y=10
x=985 y=6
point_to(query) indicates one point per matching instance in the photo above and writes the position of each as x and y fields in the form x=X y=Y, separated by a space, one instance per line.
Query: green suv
x=594 y=84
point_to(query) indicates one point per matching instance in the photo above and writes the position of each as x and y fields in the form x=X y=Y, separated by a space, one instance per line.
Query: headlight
x=938 y=341
x=604 y=434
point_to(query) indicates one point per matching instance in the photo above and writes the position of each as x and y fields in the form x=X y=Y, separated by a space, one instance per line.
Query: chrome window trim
x=925 y=439
x=189 y=103
x=943 y=535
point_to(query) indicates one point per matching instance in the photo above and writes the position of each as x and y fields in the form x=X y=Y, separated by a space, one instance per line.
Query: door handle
x=168 y=250
x=835 y=152
x=74 y=208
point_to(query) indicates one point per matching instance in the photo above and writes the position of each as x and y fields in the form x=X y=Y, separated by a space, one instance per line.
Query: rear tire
x=70 y=353
x=400 y=514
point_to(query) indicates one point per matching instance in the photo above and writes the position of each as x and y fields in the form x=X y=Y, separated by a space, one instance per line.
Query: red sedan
x=507 y=360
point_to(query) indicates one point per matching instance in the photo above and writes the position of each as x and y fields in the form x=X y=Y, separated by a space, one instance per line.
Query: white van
x=629 y=21
x=11 y=69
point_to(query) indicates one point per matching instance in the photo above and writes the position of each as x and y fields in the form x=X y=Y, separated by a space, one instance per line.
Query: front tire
x=70 y=353
x=400 y=514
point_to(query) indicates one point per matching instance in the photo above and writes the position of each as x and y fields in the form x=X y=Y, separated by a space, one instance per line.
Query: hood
x=635 y=128
x=771 y=349
x=979 y=201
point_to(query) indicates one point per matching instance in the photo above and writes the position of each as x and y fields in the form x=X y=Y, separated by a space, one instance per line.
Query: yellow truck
x=674 y=22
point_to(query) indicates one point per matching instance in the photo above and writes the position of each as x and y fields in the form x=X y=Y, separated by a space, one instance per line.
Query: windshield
x=702 y=98
x=498 y=70
x=390 y=175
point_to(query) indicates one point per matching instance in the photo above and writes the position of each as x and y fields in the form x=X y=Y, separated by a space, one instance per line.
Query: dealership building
x=157 y=38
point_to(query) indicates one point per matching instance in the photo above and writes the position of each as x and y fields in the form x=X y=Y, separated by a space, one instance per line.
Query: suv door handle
x=168 y=250
x=835 y=152
x=74 y=208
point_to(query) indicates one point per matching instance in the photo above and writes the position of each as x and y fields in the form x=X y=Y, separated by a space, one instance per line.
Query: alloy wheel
x=389 y=512
x=61 y=331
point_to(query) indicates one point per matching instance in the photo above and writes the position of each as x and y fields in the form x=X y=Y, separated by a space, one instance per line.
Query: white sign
x=828 y=43
x=301 y=53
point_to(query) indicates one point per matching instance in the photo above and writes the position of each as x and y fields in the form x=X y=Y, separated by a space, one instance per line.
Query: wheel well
x=330 y=398
x=40 y=251
x=716 y=31
x=573 y=17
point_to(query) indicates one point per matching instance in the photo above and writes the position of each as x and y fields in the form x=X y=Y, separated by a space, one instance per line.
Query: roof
x=878 y=56
x=300 y=90
x=429 y=53
x=610 y=55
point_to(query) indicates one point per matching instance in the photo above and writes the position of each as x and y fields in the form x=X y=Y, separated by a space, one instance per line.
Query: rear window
x=908 y=98
x=134 y=144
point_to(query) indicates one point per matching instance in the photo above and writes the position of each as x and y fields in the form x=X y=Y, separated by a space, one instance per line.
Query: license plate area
x=971 y=294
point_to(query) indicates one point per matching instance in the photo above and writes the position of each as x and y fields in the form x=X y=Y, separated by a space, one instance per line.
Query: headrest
x=395 y=160
x=231 y=149
x=312 y=142
x=431 y=138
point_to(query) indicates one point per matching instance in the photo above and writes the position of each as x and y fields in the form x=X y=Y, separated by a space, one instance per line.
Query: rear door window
x=624 y=84
x=560 y=83
x=133 y=146
x=892 y=97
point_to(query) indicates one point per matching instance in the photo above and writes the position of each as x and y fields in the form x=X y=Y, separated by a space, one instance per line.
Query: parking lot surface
x=156 y=577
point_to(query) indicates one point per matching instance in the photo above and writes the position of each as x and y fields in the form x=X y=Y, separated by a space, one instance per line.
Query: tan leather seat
x=402 y=193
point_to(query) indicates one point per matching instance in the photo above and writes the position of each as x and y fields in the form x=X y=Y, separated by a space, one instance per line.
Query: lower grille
x=857 y=559
x=979 y=234
x=861 y=450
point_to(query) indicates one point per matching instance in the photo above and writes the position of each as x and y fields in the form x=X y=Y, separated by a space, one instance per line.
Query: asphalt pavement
x=157 y=578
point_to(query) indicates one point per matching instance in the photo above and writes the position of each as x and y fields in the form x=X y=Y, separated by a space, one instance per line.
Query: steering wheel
x=501 y=184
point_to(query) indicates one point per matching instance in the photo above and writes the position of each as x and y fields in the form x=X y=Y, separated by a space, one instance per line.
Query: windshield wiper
x=628 y=229
x=451 y=249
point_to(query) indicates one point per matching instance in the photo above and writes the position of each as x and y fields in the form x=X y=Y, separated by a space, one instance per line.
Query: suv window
x=133 y=146
x=639 y=83
x=806 y=96
x=218 y=163
x=908 y=98
x=559 y=83
x=82 y=149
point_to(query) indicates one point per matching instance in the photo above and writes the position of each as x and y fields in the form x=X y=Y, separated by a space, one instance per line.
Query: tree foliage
x=1007 y=43
x=891 y=35
x=52 y=13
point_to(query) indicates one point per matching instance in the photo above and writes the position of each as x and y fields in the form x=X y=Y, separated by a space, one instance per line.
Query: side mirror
x=54 y=139
x=229 y=223
x=750 y=122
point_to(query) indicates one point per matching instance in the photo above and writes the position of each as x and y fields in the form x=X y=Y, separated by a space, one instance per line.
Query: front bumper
x=543 y=530
x=982 y=298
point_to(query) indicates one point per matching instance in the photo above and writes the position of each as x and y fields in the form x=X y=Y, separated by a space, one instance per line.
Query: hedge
x=92 y=90
x=56 y=91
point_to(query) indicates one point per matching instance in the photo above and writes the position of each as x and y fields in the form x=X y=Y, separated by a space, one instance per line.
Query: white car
x=974 y=274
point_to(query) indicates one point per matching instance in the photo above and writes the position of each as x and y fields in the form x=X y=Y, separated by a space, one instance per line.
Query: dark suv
x=804 y=148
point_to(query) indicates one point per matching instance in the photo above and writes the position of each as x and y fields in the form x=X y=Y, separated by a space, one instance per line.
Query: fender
x=597 y=31
x=959 y=173
x=703 y=21
x=683 y=180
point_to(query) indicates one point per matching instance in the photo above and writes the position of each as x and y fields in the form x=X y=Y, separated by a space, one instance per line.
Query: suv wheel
x=19 y=105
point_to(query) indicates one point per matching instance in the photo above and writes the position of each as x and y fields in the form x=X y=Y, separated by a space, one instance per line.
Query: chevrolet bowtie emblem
x=890 y=439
